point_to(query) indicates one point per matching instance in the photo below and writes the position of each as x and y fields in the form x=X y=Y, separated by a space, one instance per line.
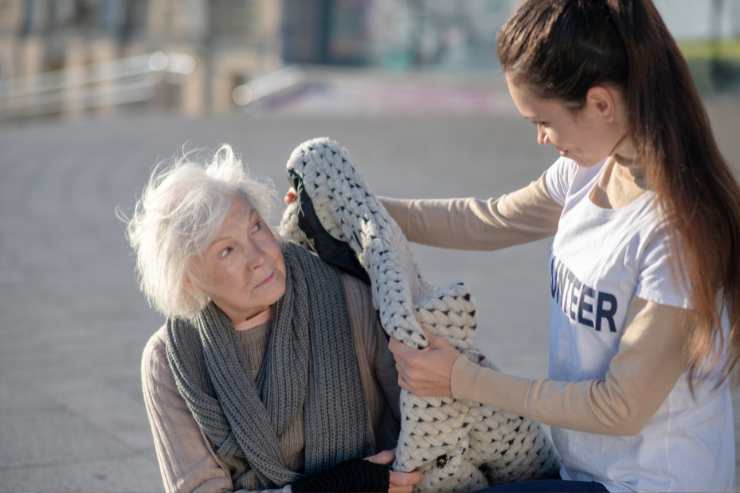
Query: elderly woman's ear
x=187 y=284
x=192 y=279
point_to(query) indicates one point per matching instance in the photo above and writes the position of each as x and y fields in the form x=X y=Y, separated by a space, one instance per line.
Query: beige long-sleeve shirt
x=652 y=352
x=186 y=458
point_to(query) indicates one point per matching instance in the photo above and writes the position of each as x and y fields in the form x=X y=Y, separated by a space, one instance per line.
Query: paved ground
x=72 y=322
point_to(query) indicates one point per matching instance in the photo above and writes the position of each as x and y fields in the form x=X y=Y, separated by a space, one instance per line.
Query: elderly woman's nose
x=256 y=255
x=256 y=259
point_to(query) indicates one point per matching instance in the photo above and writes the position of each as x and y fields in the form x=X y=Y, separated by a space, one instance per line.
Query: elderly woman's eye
x=225 y=252
x=257 y=227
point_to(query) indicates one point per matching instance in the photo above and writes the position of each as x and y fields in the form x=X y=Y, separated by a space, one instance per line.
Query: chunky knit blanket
x=458 y=445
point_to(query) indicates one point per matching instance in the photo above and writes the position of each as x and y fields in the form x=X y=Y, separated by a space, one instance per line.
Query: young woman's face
x=242 y=270
x=587 y=135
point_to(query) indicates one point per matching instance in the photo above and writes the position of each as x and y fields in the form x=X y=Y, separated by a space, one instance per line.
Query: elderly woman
x=271 y=371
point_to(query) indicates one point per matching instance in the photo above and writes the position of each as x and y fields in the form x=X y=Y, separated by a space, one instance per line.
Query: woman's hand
x=399 y=482
x=290 y=196
x=425 y=372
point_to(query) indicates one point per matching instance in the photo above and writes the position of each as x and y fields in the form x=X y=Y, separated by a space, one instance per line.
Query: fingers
x=430 y=337
x=435 y=342
x=403 y=380
x=290 y=197
x=396 y=346
x=403 y=482
x=398 y=482
x=402 y=353
x=425 y=372
x=400 y=489
x=384 y=457
x=408 y=379
x=403 y=383
x=404 y=357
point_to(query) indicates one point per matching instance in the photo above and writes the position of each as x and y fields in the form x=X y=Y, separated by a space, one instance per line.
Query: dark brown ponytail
x=560 y=49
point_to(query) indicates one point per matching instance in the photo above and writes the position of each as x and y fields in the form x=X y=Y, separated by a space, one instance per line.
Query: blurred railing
x=272 y=88
x=103 y=85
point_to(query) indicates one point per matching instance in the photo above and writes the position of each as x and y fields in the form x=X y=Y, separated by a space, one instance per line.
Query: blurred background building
x=73 y=57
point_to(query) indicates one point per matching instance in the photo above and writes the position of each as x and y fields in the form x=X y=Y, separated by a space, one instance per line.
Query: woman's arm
x=525 y=215
x=650 y=360
x=375 y=361
x=186 y=461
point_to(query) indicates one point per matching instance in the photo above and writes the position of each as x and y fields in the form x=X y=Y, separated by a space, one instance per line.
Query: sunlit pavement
x=73 y=324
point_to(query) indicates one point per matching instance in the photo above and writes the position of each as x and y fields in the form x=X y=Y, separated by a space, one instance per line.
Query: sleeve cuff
x=480 y=384
x=464 y=375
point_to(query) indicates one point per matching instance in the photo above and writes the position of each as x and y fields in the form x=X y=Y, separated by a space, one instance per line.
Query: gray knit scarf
x=309 y=365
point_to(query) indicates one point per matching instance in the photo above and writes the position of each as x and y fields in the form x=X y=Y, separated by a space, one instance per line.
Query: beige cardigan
x=187 y=460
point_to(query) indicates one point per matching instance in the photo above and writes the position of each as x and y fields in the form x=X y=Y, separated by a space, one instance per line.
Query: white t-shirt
x=600 y=259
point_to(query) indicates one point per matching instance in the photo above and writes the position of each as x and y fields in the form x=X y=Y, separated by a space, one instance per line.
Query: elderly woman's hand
x=425 y=372
x=399 y=482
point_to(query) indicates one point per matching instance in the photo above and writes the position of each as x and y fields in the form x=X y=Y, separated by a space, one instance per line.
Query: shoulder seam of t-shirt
x=562 y=172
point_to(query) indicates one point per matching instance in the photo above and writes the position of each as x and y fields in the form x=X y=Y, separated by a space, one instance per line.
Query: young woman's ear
x=603 y=102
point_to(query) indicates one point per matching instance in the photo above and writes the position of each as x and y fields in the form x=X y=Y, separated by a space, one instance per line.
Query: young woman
x=645 y=286
x=271 y=372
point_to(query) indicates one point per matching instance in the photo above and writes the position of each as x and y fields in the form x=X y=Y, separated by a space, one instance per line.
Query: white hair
x=182 y=207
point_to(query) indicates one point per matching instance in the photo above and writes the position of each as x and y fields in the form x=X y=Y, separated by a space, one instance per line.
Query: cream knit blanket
x=459 y=445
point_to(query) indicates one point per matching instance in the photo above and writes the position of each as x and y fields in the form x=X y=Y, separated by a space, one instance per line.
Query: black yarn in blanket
x=329 y=249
